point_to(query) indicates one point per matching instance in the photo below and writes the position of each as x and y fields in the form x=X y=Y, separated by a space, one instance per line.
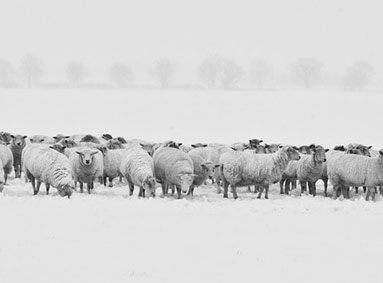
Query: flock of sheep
x=63 y=162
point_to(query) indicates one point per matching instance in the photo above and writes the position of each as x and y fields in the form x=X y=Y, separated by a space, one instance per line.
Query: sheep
x=239 y=146
x=112 y=162
x=199 y=145
x=58 y=147
x=41 y=139
x=245 y=169
x=60 y=137
x=5 y=137
x=356 y=170
x=106 y=137
x=17 y=145
x=309 y=168
x=205 y=160
x=90 y=138
x=114 y=144
x=289 y=176
x=217 y=176
x=173 y=167
x=271 y=148
x=77 y=137
x=6 y=157
x=87 y=165
x=138 y=168
x=254 y=143
x=45 y=165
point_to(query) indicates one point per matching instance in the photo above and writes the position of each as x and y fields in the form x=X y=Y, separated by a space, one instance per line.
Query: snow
x=111 y=237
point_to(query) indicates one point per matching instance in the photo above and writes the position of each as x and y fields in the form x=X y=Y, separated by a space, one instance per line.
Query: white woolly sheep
x=205 y=160
x=309 y=168
x=5 y=137
x=17 y=145
x=246 y=169
x=87 y=165
x=41 y=139
x=6 y=157
x=112 y=162
x=173 y=167
x=45 y=165
x=356 y=170
x=138 y=168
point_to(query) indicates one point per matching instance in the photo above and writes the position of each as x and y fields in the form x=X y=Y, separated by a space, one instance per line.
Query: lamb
x=309 y=168
x=112 y=162
x=6 y=157
x=205 y=160
x=173 y=167
x=138 y=168
x=45 y=165
x=271 y=148
x=356 y=170
x=87 y=165
x=17 y=145
x=60 y=137
x=245 y=169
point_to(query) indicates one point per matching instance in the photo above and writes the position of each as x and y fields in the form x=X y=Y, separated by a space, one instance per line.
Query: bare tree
x=76 y=72
x=209 y=70
x=6 y=73
x=231 y=73
x=358 y=76
x=32 y=67
x=260 y=72
x=307 y=70
x=121 y=75
x=164 y=71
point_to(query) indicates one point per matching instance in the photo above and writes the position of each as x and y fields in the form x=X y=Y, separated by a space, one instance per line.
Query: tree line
x=214 y=72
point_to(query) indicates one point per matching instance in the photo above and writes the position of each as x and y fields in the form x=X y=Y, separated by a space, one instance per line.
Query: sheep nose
x=299 y=157
x=324 y=160
x=18 y=144
x=87 y=161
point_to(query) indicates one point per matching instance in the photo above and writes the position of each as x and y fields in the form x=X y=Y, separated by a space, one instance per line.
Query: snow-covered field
x=110 y=237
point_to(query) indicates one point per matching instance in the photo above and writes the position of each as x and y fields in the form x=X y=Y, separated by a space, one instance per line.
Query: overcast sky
x=99 y=32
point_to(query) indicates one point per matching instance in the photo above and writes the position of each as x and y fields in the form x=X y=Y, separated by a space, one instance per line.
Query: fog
x=99 y=33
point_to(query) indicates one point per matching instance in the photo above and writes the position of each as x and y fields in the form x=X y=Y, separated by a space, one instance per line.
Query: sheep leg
x=47 y=186
x=314 y=188
x=234 y=191
x=303 y=186
x=325 y=181
x=266 y=191
x=131 y=189
x=141 y=192
x=249 y=189
x=30 y=177
x=260 y=192
x=356 y=190
x=81 y=187
x=287 y=186
x=225 y=189
x=37 y=187
x=364 y=189
x=281 y=185
x=344 y=191
x=164 y=191
x=110 y=182
x=191 y=190
x=218 y=186
x=310 y=185
x=173 y=190
x=89 y=186
x=104 y=181
x=178 y=192
x=368 y=194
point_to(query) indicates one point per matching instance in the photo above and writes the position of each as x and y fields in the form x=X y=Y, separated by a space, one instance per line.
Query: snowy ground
x=110 y=237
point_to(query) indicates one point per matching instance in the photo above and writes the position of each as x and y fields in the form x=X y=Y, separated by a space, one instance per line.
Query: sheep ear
x=78 y=152
x=94 y=152
x=294 y=147
x=312 y=145
x=24 y=137
x=193 y=146
x=266 y=145
x=12 y=136
x=66 y=137
x=381 y=152
x=204 y=145
x=326 y=149
x=179 y=144
x=216 y=165
x=280 y=146
x=369 y=147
